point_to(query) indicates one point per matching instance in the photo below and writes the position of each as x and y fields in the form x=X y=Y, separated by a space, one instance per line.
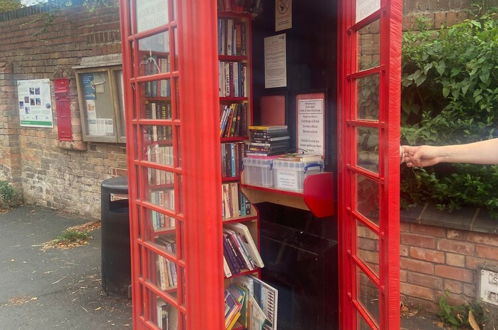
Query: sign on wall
x=35 y=104
x=311 y=124
x=283 y=15
x=275 y=61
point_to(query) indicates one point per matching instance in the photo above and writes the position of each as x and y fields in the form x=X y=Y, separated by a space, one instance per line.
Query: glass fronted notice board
x=211 y=250
x=101 y=104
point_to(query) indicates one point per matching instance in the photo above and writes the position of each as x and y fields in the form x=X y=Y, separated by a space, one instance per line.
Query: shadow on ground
x=55 y=289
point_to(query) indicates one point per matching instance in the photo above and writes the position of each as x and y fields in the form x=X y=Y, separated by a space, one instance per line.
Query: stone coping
x=470 y=219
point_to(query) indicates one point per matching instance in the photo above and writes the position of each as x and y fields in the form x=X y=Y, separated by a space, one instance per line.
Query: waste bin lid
x=118 y=184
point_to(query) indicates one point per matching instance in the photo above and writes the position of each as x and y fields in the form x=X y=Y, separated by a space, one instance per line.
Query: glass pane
x=156 y=90
x=368 y=97
x=162 y=273
x=154 y=54
x=362 y=324
x=367 y=294
x=158 y=144
x=364 y=8
x=367 y=198
x=368 y=148
x=367 y=247
x=158 y=222
x=160 y=188
x=163 y=315
x=118 y=79
x=151 y=14
x=369 y=46
x=97 y=103
x=178 y=159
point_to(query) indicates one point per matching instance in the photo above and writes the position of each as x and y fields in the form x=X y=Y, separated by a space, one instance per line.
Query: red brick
x=418 y=240
x=428 y=281
x=427 y=255
x=417 y=265
x=487 y=252
x=474 y=263
x=404 y=250
x=428 y=230
x=456 y=234
x=421 y=304
x=488 y=239
x=454 y=273
x=404 y=227
x=456 y=246
x=457 y=260
x=417 y=291
x=403 y=275
x=453 y=286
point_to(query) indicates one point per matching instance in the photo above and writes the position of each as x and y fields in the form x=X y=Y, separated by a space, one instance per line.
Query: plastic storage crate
x=290 y=175
x=258 y=171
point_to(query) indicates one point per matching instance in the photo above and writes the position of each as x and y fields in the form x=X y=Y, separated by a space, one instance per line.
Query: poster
x=275 y=61
x=311 y=124
x=283 y=15
x=35 y=103
x=365 y=8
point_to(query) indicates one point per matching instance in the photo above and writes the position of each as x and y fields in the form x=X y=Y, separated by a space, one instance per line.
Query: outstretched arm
x=482 y=152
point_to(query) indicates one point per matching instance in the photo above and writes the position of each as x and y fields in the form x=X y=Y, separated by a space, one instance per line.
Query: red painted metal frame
x=389 y=70
x=197 y=188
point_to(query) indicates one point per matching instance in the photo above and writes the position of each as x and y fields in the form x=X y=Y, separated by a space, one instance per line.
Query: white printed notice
x=489 y=286
x=365 y=8
x=275 y=61
x=35 y=104
x=151 y=14
x=310 y=126
x=283 y=15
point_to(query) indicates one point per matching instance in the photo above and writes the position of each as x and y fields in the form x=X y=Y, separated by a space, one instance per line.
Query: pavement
x=52 y=289
x=61 y=289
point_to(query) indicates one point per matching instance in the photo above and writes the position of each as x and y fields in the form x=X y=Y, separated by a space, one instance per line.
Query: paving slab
x=52 y=289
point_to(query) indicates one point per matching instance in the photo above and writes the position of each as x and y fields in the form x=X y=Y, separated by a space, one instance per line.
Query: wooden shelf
x=317 y=195
x=241 y=219
x=233 y=99
x=233 y=139
x=232 y=58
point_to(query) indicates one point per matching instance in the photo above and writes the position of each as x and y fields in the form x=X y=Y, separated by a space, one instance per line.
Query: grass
x=70 y=236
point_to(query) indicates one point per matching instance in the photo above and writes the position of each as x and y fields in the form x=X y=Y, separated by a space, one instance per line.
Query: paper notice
x=275 y=61
x=310 y=124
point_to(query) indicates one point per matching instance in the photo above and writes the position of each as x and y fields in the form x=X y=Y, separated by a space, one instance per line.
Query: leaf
x=446 y=91
x=440 y=67
x=473 y=322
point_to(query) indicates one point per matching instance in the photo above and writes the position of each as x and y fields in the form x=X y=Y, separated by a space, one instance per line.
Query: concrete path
x=55 y=289
x=61 y=289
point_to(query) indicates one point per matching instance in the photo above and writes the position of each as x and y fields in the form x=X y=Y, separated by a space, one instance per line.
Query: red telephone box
x=170 y=70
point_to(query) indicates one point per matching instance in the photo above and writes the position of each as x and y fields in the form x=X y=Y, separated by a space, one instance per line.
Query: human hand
x=420 y=156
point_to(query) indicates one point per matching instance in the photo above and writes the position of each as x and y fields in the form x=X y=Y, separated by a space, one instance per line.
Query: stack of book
x=158 y=110
x=250 y=304
x=234 y=202
x=268 y=140
x=233 y=120
x=232 y=79
x=166 y=269
x=161 y=221
x=240 y=251
x=163 y=198
x=231 y=159
x=232 y=37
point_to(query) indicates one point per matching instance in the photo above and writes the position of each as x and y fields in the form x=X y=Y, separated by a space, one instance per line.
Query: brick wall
x=60 y=175
x=436 y=259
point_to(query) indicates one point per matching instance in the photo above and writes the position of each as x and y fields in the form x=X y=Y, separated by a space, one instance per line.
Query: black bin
x=116 y=265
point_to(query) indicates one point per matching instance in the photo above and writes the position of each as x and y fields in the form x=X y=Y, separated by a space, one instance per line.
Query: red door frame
x=387 y=178
x=197 y=144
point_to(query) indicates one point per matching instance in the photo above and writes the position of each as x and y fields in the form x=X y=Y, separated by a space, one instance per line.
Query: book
x=248 y=241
